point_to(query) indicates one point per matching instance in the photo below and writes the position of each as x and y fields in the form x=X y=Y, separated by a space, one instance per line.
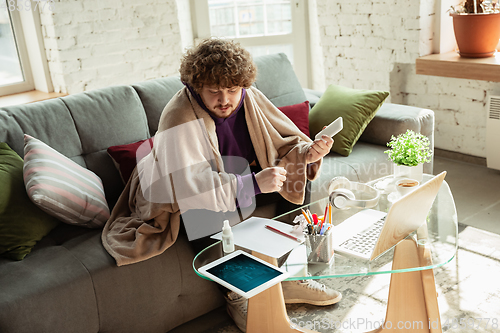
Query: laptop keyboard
x=364 y=242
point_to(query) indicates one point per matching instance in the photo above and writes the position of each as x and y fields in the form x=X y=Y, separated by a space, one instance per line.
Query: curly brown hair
x=218 y=62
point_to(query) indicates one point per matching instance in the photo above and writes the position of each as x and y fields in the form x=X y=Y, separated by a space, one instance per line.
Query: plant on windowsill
x=477 y=27
x=409 y=151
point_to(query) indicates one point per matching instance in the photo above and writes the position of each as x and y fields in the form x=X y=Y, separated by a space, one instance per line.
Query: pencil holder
x=319 y=248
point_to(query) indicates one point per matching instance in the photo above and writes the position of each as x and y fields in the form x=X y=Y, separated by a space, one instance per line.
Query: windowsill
x=452 y=65
x=27 y=97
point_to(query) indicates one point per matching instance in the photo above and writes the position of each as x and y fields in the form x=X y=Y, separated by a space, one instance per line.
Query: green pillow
x=356 y=107
x=22 y=223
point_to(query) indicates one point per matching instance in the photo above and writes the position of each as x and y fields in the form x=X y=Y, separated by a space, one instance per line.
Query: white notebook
x=252 y=234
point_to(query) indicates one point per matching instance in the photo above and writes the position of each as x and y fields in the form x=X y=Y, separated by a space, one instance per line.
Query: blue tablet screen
x=243 y=272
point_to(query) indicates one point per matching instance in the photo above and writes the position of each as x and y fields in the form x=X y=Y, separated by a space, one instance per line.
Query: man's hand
x=271 y=179
x=319 y=148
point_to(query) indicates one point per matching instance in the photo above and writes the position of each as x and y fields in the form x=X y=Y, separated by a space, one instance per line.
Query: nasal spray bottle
x=227 y=238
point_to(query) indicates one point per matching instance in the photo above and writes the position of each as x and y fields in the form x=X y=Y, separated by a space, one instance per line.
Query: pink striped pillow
x=63 y=188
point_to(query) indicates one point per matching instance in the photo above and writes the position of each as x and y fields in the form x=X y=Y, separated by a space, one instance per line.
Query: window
x=15 y=71
x=249 y=18
x=261 y=26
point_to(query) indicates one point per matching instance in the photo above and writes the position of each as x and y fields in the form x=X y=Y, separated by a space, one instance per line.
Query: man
x=205 y=132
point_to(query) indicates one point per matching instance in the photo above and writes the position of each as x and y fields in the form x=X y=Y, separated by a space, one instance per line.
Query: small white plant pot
x=412 y=172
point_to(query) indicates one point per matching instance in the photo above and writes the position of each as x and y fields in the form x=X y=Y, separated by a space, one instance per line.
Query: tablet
x=333 y=128
x=243 y=273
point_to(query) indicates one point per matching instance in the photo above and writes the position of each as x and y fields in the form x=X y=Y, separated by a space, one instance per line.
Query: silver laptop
x=370 y=233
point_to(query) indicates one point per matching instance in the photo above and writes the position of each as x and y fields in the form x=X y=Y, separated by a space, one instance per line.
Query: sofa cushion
x=50 y=121
x=22 y=223
x=61 y=187
x=356 y=107
x=127 y=156
x=154 y=95
x=154 y=295
x=277 y=80
x=312 y=96
x=48 y=291
x=81 y=126
x=299 y=114
x=103 y=118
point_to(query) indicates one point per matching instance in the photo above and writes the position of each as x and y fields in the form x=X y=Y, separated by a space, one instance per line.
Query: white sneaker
x=237 y=307
x=310 y=292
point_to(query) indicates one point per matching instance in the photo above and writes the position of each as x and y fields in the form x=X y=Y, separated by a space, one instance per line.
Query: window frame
x=299 y=37
x=29 y=33
x=22 y=51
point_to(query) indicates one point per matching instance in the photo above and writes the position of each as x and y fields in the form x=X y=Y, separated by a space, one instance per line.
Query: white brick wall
x=96 y=43
x=363 y=44
x=373 y=45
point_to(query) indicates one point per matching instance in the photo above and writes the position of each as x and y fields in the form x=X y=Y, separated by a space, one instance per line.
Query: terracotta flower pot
x=477 y=35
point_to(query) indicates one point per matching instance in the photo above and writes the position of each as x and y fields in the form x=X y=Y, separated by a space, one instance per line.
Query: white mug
x=406 y=185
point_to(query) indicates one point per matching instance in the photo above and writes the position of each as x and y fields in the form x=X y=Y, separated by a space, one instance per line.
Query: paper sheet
x=252 y=234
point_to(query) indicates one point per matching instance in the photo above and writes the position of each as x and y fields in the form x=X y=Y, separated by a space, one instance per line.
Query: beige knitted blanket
x=146 y=219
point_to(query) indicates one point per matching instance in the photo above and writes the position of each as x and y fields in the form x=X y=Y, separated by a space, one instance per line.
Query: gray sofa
x=69 y=283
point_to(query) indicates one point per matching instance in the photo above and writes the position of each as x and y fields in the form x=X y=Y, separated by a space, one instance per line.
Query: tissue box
x=319 y=248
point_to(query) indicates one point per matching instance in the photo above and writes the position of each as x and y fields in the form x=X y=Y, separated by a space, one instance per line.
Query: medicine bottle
x=227 y=238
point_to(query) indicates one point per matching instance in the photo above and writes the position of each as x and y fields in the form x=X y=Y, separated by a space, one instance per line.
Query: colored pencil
x=307 y=218
x=283 y=233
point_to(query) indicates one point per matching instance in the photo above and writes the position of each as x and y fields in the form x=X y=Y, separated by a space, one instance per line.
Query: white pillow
x=63 y=188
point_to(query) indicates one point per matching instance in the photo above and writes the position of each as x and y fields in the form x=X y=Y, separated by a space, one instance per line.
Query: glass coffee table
x=412 y=291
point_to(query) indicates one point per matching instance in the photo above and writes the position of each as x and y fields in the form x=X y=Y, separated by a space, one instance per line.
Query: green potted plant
x=477 y=27
x=409 y=151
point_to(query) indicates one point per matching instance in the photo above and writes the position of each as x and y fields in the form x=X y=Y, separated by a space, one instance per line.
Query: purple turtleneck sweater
x=236 y=148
